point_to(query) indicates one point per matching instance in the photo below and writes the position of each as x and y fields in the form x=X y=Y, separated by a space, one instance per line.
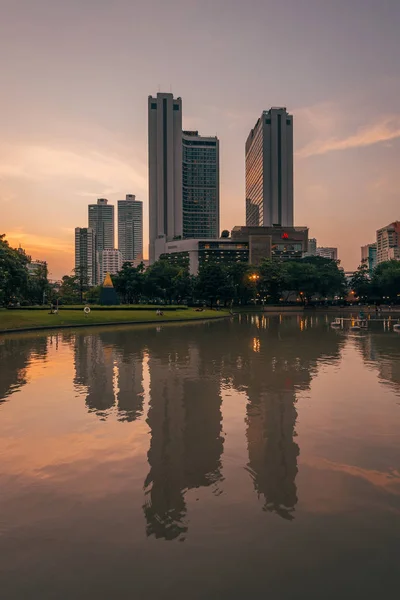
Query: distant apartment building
x=101 y=220
x=388 y=242
x=130 y=228
x=312 y=246
x=165 y=169
x=85 y=253
x=269 y=170
x=200 y=186
x=327 y=252
x=111 y=262
x=368 y=256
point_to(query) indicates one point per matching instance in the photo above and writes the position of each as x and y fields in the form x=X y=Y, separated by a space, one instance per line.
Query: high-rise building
x=368 y=256
x=165 y=169
x=111 y=262
x=388 y=242
x=269 y=170
x=326 y=252
x=312 y=246
x=130 y=228
x=200 y=185
x=101 y=220
x=85 y=252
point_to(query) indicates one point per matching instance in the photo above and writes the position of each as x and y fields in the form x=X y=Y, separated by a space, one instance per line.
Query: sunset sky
x=76 y=74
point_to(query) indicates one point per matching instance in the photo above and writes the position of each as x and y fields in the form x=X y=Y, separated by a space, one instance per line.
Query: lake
x=253 y=457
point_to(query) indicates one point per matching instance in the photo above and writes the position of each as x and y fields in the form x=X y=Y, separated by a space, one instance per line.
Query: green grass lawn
x=22 y=319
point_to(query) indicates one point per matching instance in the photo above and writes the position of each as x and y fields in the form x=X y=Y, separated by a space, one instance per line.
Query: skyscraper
x=368 y=256
x=200 y=185
x=101 y=220
x=85 y=252
x=165 y=168
x=130 y=228
x=269 y=170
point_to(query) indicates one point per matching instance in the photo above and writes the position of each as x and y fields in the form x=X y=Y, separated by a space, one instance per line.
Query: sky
x=76 y=74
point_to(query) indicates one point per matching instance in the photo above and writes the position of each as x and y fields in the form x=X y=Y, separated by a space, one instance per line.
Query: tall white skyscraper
x=101 y=220
x=165 y=169
x=269 y=170
x=85 y=252
x=130 y=228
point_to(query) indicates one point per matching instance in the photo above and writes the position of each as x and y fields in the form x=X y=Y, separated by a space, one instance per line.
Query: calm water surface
x=251 y=458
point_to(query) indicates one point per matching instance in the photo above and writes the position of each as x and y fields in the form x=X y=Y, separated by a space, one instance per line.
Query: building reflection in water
x=185 y=422
x=271 y=359
x=276 y=364
x=109 y=368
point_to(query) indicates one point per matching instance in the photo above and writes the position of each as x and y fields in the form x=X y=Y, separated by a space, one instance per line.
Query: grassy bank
x=30 y=319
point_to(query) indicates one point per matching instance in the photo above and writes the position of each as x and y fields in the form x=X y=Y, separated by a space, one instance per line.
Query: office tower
x=130 y=228
x=312 y=246
x=165 y=169
x=200 y=185
x=101 y=220
x=368 y=256
x=388 y=242
x=327 y=253
x=111 y=262
x=269 y=170
x=85 y=252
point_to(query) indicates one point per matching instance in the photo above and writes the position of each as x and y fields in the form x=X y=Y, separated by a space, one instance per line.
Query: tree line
x=307 y=280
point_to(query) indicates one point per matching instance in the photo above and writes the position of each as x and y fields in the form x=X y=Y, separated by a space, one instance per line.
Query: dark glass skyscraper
x=200 y=185
x=269 y=170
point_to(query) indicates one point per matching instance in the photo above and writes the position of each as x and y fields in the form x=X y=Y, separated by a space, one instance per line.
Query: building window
x=287 y=121
x=176 y=106
x=268 y=121
x=153 y=105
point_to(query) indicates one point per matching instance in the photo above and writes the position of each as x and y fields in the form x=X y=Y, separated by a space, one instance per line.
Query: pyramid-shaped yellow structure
x=108 y=281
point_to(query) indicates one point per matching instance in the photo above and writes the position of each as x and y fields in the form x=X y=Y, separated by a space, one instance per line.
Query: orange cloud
x=385 y=130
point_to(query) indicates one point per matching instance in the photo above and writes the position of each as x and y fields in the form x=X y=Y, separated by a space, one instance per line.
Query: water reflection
x=269 y=359
x=110 y=370
x=185 y=422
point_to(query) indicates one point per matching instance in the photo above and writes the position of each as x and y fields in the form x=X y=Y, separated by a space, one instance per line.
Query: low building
x=368 y=256
x=388 y=242
x=277 y=243
x=196 y=253
x=327 y=252
x=33 y=266
x=111 y=262
x=247 y=244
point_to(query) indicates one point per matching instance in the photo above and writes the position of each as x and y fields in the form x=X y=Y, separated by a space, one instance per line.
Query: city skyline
x=64 y=144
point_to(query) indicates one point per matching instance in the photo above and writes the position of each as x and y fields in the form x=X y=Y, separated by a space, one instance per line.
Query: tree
x=159 y=280
x=302 y=278
x=69 y=290
x=81 y=281
x=13 y=273
x=38 y=285
x=213 y=283
x=240 y=277
x=225 y=233
x=329 y=278
x=360 y=283
x=385 y=281
x=129 y=283
x=272 y=280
